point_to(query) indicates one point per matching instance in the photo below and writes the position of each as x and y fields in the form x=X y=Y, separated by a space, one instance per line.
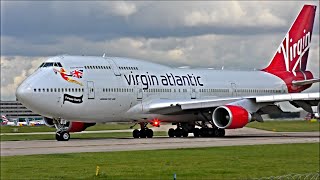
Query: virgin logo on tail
x=297 y=49
x=292 y=54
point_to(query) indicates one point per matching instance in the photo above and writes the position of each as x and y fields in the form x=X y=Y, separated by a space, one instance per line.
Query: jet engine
x=230 y=117
x=72 y=126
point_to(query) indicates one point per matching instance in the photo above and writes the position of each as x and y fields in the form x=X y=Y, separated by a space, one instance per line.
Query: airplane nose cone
x=23 y=92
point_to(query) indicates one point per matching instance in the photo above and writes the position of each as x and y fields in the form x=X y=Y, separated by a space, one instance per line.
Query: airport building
x=14 y=110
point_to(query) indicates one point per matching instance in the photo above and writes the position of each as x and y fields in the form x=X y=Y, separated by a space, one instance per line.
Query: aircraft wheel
x=58 y=136
x=149 y=133
x=217 y=132
x=65 y=136
x=171 y=132
x=136 y=133
x=204 y=132
x=143 y=133
x=211 y=132
x=222 y=132
x=196 y=132
x=62 y=136
x=178 y=132
x=185 y=133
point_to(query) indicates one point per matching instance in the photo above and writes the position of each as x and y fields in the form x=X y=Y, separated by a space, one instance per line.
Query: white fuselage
x=110 y=89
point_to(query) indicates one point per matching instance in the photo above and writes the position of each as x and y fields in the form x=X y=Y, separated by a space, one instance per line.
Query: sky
x=235 y=35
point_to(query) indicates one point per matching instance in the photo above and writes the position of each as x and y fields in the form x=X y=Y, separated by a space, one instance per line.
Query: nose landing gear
x=61 y=133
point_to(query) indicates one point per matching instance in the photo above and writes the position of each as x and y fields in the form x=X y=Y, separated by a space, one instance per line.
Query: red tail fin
x=292 y=54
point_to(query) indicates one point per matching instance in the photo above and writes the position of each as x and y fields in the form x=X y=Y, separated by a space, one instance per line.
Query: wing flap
x=288 y=97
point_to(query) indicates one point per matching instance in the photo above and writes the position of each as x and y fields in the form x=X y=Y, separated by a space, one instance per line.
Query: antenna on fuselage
x=104 y=55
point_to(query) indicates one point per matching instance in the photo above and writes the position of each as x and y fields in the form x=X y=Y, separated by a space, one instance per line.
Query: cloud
x=96 y=20
x=13 y=71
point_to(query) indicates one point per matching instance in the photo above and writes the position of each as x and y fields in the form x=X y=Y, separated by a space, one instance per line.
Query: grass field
x=73 y=136
x=286 y=126
x=44 y=128
x=238 y=162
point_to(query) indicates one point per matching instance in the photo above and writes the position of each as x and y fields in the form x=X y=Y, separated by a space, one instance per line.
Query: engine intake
x=230 y=117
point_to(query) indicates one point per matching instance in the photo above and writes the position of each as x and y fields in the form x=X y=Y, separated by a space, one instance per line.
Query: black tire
x=196 y=132
x=222 y=132
x=58 y=136
x=149 y=133
x=65 y=136
x=143 y=133
x=136 y=133
x=204 y=132
x=217 y=133
x=185 y=133
x=171 y=132
x=178 y=132
x=211 y=132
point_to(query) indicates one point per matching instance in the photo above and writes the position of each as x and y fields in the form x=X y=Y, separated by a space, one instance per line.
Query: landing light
x=155 y=123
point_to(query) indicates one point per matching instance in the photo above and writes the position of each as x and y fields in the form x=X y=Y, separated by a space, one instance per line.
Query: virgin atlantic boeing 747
x=75 y=92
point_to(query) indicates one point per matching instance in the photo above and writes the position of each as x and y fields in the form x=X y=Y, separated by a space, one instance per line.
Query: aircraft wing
x=250 y=103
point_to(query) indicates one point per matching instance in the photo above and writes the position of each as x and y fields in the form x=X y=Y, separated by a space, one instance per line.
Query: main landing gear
x=183 y=130
x=145 y=132
x=61 y=134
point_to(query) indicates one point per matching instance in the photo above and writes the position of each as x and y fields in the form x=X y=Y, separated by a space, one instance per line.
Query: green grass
x=286 y=126
x=238 y=162
x=44 y=128
x=73 y=136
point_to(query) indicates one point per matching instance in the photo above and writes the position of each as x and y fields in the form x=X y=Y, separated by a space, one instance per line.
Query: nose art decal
x=69 y=76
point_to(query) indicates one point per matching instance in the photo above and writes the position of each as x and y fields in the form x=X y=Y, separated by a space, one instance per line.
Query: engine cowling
x=78 y=126
x=230 y=117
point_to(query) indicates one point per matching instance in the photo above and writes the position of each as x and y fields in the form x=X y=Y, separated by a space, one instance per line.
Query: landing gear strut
x=61 y=134
x=145 y=132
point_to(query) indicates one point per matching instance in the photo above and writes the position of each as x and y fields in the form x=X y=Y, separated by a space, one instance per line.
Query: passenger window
x=58 y=89
x=55 y=90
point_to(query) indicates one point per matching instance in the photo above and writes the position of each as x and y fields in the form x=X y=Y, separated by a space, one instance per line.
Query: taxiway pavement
x=244 y=136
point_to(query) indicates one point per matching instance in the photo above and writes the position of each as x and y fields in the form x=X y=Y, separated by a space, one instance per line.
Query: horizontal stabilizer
x=305 y=82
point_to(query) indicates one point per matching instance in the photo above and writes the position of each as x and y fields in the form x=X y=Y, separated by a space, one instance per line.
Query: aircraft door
x=139 y=93
x=234 y=89
x=114 y=67
x=90 y=88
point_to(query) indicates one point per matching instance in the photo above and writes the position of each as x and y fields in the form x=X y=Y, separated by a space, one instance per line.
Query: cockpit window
x=50 y=64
